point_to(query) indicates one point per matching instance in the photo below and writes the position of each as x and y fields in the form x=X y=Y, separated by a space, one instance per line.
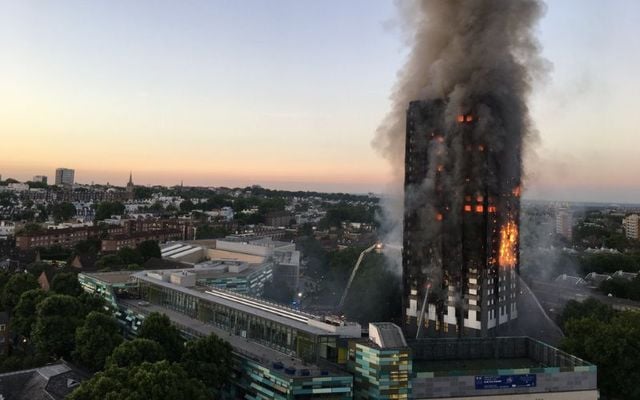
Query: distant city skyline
x=240 y=93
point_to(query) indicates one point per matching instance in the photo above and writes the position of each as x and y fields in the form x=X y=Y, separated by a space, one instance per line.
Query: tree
x=588 y=308
x=57 y=318
x=90 y=302
x=62 y=211
x=158 y=327
x=149 y=249
x=109 y=262
x=24 y=313
x=141 y=192
x=95 y=340
x=157 y=381
x=135 y=352
x=156 y=207
x=186 y=206
x=130 y=256
x=209 y=360
x=66 y=283
x=38 y=267
x=31 y=227
x=108 y=208
x=17 y=284
x=612 y=346
x=87 y=247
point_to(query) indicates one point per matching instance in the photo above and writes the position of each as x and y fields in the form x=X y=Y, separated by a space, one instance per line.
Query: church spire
x=131 y=177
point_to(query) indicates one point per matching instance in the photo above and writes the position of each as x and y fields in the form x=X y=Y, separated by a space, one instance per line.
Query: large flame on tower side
x=507 y=257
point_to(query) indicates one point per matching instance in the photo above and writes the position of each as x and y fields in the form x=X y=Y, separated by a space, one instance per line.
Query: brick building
x=67 y=237
x=117 y=242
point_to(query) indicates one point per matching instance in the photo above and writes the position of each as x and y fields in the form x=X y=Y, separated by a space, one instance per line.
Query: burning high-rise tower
x=466 y=83
x=460 y=253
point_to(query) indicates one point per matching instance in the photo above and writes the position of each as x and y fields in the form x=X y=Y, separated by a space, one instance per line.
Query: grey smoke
x=479 y=54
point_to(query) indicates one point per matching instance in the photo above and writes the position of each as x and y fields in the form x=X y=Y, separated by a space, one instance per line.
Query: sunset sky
x=285 y=94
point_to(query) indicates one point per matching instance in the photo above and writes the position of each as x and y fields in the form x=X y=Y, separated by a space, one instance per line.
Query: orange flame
x=469 y=118
x=516 y=191
x=438 y=217
x=507 y=257
x=461 y=118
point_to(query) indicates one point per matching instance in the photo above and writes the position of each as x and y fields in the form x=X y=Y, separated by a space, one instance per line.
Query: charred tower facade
x=461 y=221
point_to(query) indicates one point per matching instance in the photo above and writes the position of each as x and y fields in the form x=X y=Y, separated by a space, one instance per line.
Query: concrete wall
x=581 y=395
x=240 y=247
x=462 y=387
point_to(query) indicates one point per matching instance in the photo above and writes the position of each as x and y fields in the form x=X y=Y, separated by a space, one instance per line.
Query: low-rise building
x=132 y=240
x=278 y=218
x=285 y=354
x=66 y=237
x=7 y=229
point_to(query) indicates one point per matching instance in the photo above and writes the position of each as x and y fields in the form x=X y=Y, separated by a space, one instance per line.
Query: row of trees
x=68 y=323
x=609 y=339
x=129 y=258
x=43 y=324
x=157 y=364
x=345 y=212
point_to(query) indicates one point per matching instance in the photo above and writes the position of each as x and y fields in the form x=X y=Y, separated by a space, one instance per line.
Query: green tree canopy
x=588 y=308
x=158 y=327
x=24 y=313
x=157 y=381
x=109 y=262
x=136 y=352
x=95 y=340
x=186 y=206
x=613 y=347
x=87 y=247
x=130 y=256
x=108 y=208
x=149 y=249
x=90 y=302
x=62 y=211
x=16 y=285
x=66 y=283
x=209 y=360
x=57 y=318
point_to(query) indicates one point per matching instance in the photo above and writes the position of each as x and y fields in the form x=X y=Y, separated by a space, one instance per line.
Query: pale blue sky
x=283 y=93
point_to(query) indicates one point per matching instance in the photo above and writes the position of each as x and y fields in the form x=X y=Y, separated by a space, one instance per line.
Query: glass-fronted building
x=283 y=354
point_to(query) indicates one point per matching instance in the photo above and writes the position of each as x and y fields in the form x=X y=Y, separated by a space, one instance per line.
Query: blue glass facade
x=380 y=373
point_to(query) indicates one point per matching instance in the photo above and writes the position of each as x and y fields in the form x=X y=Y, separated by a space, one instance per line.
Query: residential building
x=630 y=224
x=7 y=229
x=564 y=223
x=65 y=177
x=18 y=187
x=66 y=237
x=39 y=179
x=119 y=241
x=278 y=218
x=53 y=381
x=461 y=246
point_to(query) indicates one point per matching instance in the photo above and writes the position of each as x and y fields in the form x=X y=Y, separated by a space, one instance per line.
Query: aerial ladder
x=375 y=246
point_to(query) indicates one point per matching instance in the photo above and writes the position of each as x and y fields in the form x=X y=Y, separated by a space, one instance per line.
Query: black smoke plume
x=474 y=55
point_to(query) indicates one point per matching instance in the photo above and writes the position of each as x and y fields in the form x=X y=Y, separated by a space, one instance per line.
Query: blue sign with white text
x=505 y=381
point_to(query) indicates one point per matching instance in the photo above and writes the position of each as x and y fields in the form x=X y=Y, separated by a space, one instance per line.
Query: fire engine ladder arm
x=421 y=318
x=353 y=274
